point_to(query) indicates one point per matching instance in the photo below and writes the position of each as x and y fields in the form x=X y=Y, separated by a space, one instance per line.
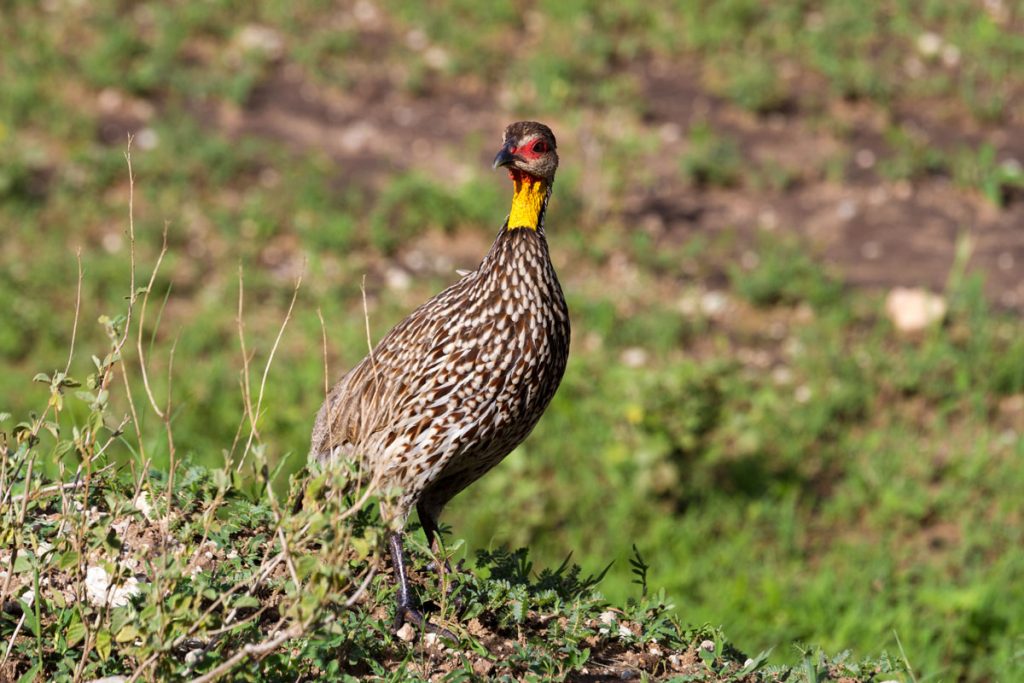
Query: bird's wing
x=372 y=394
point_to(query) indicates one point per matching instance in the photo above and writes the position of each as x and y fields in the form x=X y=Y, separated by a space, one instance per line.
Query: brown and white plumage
x=458 y=384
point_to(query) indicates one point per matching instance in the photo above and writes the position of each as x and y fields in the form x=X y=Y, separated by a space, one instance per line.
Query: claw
x=411 y=615
x=406 y=611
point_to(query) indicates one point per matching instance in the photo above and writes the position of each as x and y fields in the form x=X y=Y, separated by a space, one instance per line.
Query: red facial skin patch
x=519 y=176
x=531 y=150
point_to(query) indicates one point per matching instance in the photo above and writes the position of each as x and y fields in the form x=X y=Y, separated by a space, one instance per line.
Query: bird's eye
x=540 y=147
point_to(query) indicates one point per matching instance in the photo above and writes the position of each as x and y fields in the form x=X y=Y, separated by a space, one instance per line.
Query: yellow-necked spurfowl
x=458 y=384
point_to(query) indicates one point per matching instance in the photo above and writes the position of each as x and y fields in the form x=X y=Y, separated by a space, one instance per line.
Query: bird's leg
x=407 y=611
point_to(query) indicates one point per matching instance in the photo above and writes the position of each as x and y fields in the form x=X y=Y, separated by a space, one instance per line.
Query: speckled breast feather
x=458 y=384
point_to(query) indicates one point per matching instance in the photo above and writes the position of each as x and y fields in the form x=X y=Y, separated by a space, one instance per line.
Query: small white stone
x=782 y=375
x=950 y=56
x=912 y=310
x=846 y=210
x=606 y=618
x=257 y=38
x=96 y=584
x=99 y=591
x=865 y=158
x=767 y=220
x=416 y=39
x=366 y=12
x=147 y=139
x=397 y=279
x=143 y=505
x=670 y=132
x=688 y=304
x=357 y=136
x=713 y=303
x=634 y=357
x=624 y=631
x=406 y=633
x=110 y=100
x=708 y=645
x=929 y=44
x=436 y=57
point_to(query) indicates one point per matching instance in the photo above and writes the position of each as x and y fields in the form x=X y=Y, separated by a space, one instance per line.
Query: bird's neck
x=529 y=201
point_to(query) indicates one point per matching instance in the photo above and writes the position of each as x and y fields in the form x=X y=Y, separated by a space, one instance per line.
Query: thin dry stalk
x=78 y=309
x=142 y=320
x=244 y=378
x=366 y=323
x=171 y=450
x=37 y=425
x=323 y=346
x=254 y=414
x=14 y=636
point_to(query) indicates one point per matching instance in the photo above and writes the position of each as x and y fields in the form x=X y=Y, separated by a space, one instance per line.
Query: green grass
x=191 y=571
x=789 y=467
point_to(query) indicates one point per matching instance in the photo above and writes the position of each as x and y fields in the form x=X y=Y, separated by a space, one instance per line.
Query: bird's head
x=528 y=152
x=528 y=147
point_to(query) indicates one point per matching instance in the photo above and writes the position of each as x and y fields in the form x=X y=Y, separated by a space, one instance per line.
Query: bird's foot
x=406 y=614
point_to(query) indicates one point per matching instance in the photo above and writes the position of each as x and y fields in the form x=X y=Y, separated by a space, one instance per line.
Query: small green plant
x=640 y=569
x=712 y=160
x=913 y=156
x=783 y=273
x=980 y=169
x=414 y=204
x=753 y=83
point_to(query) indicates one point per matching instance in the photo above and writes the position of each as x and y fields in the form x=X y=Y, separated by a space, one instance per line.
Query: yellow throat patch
x=527 y=200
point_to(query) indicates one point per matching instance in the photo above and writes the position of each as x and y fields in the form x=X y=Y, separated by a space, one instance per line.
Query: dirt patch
x=878 y=233
x=370 y=130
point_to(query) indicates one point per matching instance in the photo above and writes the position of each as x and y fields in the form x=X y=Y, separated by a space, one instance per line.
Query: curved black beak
x=505 y=157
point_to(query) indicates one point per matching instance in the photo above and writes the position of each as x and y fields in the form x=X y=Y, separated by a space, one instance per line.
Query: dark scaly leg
x=407 y=612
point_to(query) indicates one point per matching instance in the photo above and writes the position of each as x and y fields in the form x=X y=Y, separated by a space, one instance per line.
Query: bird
x=453 y=388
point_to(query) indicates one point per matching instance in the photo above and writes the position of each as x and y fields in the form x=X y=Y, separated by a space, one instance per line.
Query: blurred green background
x=743 y=185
